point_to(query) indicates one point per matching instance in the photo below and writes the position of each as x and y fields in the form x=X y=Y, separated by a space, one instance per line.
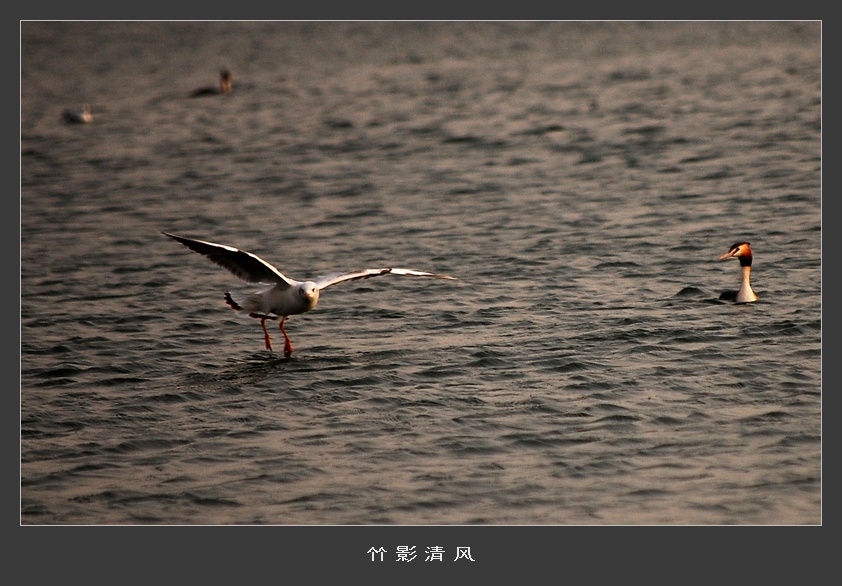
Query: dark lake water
x=580 y=179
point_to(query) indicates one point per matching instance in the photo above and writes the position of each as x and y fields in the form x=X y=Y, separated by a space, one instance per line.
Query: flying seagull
x=286 y=296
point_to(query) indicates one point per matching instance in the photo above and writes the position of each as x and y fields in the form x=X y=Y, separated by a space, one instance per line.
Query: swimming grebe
x=741 y=251
x=287 y=296
x=81 y=116
x=224 y=86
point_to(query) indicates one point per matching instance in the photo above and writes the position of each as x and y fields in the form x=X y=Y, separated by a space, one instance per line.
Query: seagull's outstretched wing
x=245 y=265
x=334 y=278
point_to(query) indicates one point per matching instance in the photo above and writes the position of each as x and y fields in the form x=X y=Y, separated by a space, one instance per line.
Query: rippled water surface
x=580 y=179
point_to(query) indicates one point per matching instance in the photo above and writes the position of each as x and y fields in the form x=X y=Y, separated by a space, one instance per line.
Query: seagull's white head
x=309 y=294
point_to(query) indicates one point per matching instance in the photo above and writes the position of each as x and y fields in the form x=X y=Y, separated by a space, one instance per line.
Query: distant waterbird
x=225 y=86
x=81 y=115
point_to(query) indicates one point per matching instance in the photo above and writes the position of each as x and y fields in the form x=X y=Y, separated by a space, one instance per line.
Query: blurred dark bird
x=81 y=116
x=224 y=86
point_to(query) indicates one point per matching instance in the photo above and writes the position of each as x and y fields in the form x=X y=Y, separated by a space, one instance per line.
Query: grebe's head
x=740 y=250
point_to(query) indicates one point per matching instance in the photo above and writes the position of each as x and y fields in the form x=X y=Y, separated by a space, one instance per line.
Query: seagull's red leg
x=287 y=341
x=265 y=333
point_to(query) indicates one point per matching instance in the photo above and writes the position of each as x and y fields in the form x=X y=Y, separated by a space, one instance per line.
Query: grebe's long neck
x=745 y=293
